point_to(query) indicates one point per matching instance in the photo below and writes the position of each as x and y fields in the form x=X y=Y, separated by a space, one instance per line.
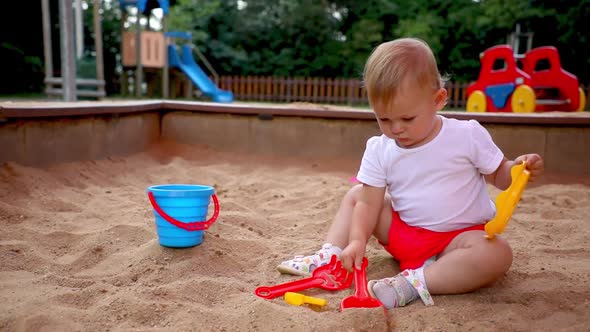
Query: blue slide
x=187 y=64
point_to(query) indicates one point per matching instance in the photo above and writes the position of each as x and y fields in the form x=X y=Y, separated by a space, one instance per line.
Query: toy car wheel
x=476 y=102
x=582 y=103
x=523 y=99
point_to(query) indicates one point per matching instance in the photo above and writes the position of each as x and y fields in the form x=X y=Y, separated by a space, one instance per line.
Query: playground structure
x=513 y=79
x=555 y=88
x=186 y=63
x=146 y=51
x=541 y=85
x=67 y=84
x=143 y=48
x=142 y=52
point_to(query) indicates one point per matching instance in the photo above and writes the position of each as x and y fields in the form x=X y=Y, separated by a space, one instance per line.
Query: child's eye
x=409 y=119
x=383 y=120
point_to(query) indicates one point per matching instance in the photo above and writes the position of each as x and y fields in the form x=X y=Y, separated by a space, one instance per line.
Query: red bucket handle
x=190 y=226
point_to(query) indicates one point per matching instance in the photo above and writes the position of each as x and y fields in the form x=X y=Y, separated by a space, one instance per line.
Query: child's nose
x=397 y=128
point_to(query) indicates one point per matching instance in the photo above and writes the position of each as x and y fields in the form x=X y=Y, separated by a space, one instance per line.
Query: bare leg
x=339 y=230
x=337 y=237
x=469 y=262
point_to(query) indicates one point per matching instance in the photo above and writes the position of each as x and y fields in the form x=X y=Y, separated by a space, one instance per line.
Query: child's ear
x=440 y=99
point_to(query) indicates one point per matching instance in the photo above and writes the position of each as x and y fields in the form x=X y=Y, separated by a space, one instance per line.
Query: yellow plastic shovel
x=507 y=200
x=299 y=299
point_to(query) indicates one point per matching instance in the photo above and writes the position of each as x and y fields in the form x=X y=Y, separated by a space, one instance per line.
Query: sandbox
x=79 y=249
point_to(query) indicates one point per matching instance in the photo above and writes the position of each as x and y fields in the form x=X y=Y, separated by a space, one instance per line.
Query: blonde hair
x=397 y=63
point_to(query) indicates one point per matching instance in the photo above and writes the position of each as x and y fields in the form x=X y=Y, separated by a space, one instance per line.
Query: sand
x=79 y=251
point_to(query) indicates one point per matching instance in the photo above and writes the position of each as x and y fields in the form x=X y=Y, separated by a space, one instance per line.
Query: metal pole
x=47 y=42
x=138 y=66
x=517 y=42
x=124 y=77
x=79 y=29
x=68 y=61
x=165 y=70
x=98 y=45
x=207 y=64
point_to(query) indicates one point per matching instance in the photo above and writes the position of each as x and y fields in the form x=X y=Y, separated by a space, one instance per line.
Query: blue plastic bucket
x=180 y=211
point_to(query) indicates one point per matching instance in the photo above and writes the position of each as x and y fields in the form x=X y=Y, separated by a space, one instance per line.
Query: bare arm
x=364 y=219
x=502 y=179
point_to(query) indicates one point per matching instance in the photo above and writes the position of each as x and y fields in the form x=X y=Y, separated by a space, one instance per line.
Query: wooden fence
x=280 y=89
x=320 y=90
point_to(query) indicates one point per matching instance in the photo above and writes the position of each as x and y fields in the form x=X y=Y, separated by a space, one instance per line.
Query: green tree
x=330 y=38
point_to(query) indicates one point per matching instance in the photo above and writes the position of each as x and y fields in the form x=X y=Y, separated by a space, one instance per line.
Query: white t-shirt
x=439 y=185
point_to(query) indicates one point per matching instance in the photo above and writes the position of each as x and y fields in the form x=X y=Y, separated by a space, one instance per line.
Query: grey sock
x=395 y=292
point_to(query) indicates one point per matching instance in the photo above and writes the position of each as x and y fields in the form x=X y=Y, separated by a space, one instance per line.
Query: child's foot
x=304 y=265
x=393 y=292
x=399 y=290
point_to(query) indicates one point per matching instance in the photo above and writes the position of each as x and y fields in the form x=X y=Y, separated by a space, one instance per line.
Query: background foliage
x=327 y=38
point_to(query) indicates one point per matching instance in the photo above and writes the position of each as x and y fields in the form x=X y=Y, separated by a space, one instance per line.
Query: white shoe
x=304 y=265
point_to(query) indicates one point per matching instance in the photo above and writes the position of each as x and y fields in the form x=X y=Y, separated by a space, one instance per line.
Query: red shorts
x=412 y=246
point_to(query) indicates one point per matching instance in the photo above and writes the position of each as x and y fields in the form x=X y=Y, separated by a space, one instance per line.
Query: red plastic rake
x=331 y=276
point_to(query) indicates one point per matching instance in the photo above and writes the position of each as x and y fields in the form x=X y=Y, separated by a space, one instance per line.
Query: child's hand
x=353 y=254
x=534 y=164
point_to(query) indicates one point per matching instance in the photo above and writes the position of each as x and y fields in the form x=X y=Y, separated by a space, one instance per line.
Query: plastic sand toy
x=331 y=276
x=507 y=200
x=361 y=297
x=300 y=299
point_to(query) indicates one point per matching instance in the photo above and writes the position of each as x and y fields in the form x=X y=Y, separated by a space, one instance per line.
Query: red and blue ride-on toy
x=541 y=85
x=555 y=89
